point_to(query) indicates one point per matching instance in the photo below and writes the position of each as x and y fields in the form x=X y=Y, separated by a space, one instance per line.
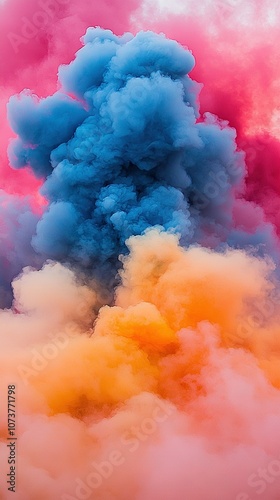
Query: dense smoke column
x=121 y=147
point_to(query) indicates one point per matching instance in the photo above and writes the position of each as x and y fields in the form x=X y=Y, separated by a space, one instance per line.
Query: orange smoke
x=172 y=378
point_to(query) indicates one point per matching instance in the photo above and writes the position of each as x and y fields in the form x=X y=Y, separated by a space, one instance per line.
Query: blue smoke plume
x=122 y=147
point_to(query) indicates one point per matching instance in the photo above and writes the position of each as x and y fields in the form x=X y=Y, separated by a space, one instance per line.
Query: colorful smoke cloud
x=139 y=266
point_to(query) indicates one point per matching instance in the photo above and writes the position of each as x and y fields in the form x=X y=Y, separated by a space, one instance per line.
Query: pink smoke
x=235 y=44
